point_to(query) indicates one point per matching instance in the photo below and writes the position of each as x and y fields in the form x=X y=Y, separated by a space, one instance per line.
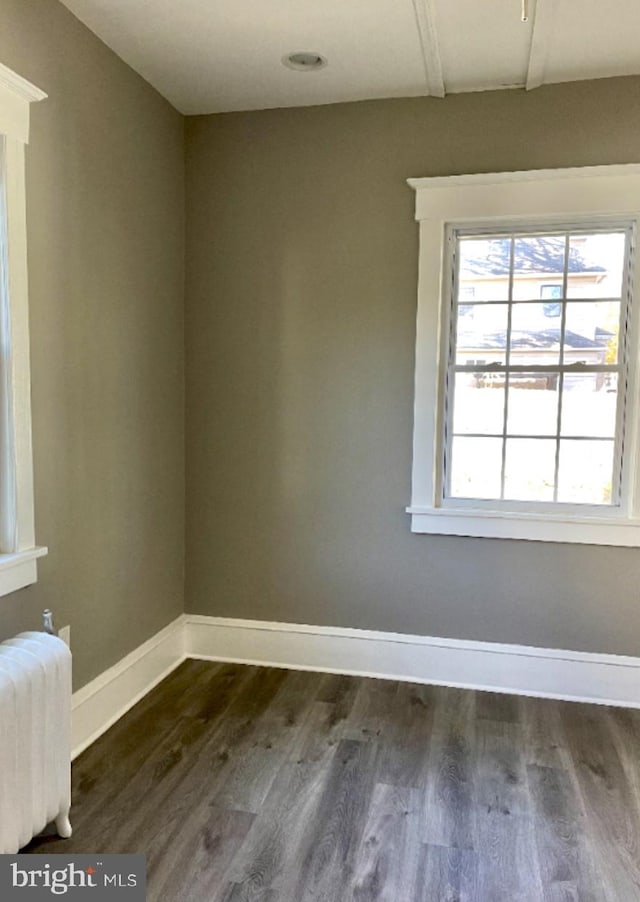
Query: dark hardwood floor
x=248 y=784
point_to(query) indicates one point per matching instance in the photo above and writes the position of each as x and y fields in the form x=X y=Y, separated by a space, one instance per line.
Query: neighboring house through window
x=526 y=407
x=539 y=419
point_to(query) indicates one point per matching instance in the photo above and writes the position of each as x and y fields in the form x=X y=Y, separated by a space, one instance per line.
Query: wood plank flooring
x=249 y=784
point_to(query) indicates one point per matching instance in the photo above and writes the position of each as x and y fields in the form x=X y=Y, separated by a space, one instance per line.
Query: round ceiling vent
x=304 y=61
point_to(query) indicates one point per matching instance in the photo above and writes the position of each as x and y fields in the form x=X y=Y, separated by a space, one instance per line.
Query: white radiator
x=35 y=738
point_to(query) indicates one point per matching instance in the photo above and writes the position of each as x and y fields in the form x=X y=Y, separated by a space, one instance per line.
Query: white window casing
x=18 y=549
x=587 y=196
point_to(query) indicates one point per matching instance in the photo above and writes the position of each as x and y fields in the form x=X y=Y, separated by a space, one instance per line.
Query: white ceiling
x=210 y=56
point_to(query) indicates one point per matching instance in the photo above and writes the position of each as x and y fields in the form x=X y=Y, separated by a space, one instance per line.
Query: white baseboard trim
x=103 y=701
x=516 y=669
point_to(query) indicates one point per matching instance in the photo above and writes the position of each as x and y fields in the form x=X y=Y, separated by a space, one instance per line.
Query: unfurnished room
x=320 y=450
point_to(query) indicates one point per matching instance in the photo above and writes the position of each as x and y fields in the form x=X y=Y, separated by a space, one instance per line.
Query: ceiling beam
x=539 y=48
x=426 y=22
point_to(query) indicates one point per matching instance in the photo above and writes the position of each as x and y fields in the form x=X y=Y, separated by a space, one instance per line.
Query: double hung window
x=535 y=397
x=526 y=406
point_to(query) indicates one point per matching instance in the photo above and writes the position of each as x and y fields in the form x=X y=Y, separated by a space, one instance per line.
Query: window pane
x=476 y=467
x=533 y=404
x=535 y=338
x=478 y=403
x=481 y=335
x=538 y=260
x=592 y=332
x=589 y=404
x=483 y=273
x=585 y=472
x=529 y=469
x=595 y=265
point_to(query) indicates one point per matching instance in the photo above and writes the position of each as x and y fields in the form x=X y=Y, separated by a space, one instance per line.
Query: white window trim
x=18 y=566
x=547 y=195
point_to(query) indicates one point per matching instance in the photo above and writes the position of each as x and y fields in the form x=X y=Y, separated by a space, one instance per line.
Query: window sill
x=19 y=569
x=530 y=527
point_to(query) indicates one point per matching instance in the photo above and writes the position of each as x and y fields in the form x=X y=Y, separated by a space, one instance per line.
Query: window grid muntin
x=602 y=225
x=541 y=302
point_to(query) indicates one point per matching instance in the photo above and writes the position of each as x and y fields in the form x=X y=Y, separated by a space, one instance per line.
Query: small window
x=527 y=383
x=551 y=291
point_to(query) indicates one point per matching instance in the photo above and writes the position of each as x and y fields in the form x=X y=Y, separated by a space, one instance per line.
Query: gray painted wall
x=300 y=325
x=106 y=236
x=302 y=255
